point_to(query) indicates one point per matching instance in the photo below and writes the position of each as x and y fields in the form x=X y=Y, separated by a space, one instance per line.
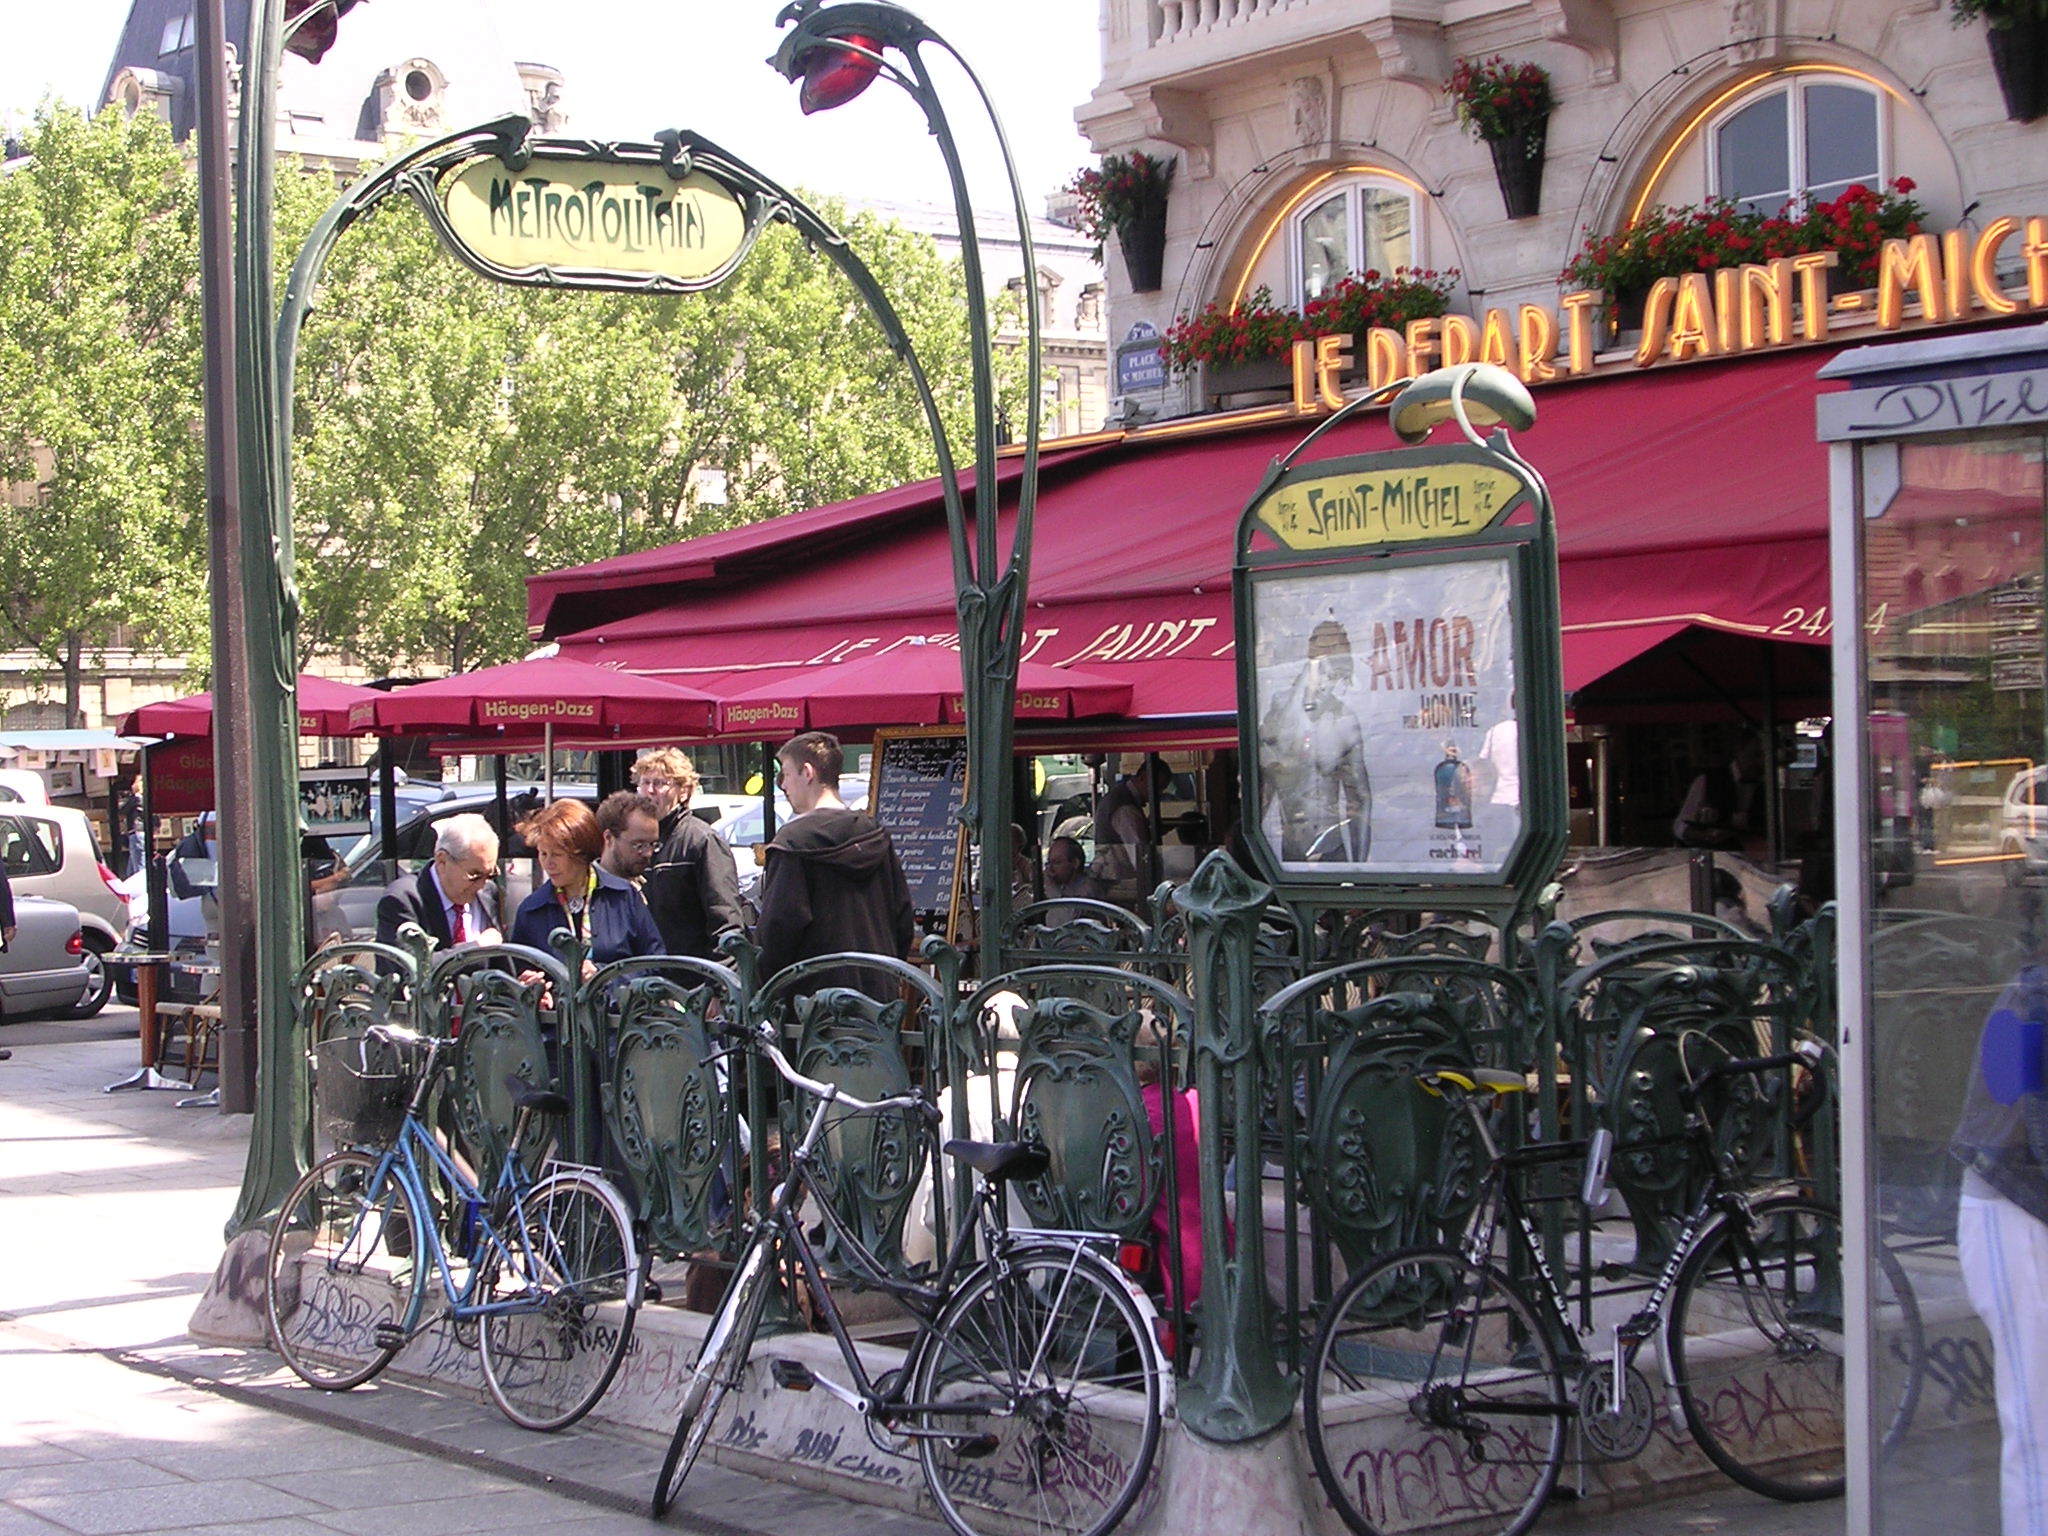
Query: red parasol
x=552 y=694
x=324 y=707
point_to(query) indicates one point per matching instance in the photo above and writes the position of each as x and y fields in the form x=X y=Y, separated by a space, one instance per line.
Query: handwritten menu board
x=916 y=785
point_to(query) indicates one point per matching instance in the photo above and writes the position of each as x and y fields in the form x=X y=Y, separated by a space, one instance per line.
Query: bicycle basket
x=360 y=1090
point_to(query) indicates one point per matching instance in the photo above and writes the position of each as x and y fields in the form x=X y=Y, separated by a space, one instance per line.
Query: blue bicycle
x=545 y=1273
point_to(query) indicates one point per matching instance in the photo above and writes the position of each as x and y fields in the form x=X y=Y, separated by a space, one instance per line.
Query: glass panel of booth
x=1950 y=558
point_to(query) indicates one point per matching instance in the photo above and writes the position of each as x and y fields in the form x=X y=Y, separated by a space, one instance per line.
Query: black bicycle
x=1035 y=1387
x=1440 y=1390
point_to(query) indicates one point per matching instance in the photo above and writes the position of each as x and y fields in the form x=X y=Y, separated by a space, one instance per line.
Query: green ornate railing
x=1251 y=1117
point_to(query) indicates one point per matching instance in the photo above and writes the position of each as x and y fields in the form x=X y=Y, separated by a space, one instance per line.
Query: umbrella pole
x=547 y=747
x=504 y=809
x=387 y=803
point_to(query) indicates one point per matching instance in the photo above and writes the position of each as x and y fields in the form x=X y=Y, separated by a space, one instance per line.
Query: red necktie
x=461 y=927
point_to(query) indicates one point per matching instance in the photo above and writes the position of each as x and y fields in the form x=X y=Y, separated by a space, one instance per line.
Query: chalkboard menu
x=916 y=785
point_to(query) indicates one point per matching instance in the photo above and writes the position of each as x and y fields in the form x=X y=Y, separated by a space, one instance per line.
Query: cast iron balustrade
x=1110 y=1039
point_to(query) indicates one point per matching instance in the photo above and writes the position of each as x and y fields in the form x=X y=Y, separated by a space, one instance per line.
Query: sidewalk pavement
x=114 y=1423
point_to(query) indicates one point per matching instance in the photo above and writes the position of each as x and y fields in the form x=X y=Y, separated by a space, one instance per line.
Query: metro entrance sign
x=1402 y=709
x=576 y=214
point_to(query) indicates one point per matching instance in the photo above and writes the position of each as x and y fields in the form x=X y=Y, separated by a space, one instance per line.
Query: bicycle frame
x=921 y=1301
x=1498 y=1191
x=401 y=1161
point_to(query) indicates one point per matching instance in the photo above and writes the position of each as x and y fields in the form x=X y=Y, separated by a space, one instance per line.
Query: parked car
x=2023 y=826
x=49 y=850
x=23 y=786
x=45 y=969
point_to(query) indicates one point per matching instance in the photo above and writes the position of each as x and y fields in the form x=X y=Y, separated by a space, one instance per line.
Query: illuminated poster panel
x=1387 y=730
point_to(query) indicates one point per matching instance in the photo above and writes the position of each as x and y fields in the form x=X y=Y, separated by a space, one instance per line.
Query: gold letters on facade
x=1698 y=315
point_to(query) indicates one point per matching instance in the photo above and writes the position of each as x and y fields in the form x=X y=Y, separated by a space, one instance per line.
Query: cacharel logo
x=760 y=714
x=544 y=709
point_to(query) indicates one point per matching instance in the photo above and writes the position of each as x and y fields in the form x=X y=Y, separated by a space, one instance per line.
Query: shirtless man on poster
x=1312 y=761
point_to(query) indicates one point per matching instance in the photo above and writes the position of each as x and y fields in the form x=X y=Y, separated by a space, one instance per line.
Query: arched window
x=1805 y=140
x=1360 y=225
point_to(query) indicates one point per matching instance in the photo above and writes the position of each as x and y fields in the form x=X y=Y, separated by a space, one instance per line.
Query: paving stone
x=165 y=1507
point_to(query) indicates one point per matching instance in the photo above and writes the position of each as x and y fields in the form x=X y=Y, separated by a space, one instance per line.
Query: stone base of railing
x=1265 y=1488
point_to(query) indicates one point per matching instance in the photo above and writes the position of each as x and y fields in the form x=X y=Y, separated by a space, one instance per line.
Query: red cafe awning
x=1685 y=496
x=909 y=685
x=323 y=705
x=525 y=697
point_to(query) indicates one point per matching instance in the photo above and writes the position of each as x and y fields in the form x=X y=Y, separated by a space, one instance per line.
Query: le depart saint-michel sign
x=591 y=216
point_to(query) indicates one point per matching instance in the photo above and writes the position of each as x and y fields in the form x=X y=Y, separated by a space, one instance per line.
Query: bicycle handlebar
x=762 y=1038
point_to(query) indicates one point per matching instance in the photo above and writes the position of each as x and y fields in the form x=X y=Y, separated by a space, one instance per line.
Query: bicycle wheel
x=1432 y=1397
x=345 y=1270
x=1050 y=1383
x=717 y=1370
x=546 y=1365
x=1755 y=1347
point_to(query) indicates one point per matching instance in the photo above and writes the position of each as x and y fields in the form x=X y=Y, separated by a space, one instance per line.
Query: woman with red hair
x=580 y=895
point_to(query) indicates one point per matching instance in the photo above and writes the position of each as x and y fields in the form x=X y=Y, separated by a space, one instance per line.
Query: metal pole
x=262 y=650
x=236 y=875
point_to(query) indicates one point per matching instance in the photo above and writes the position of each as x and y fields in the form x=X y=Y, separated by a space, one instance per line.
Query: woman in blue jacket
x=579 y=894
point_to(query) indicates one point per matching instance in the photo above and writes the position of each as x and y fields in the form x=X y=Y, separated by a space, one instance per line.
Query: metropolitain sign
x=1725 y=313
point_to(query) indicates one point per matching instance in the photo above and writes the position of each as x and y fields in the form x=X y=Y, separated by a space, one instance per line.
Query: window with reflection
x=1952 y=562
x=1364 y=226
x=1806 y=140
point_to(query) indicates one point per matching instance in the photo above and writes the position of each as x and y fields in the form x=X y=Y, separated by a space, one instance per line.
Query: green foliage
x=1997 y=14
x=454 y=436
x=99 y=393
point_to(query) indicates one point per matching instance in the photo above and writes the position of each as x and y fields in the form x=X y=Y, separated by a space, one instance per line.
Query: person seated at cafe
x=1724 y=808
x=1066 y=875
x=578 y=894
x=194 y=864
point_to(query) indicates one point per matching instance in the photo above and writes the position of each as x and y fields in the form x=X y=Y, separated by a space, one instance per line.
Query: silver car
x=49 y=850
x=44 y=970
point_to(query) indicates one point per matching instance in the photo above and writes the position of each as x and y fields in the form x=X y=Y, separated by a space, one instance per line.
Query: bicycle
x=547 y=1271
x=1438 y=1388
x=1034 y=1389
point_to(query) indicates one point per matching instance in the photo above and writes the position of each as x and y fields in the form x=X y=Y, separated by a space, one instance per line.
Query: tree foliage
x=451 y=437
x=100 y=393
x=454 y=436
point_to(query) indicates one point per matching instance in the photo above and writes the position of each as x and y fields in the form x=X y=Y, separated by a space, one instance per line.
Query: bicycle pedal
x=792 y=1375
x=388 y=1335
x=976 y=1448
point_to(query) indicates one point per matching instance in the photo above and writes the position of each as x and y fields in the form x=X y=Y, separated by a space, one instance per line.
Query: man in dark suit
x=452 y=898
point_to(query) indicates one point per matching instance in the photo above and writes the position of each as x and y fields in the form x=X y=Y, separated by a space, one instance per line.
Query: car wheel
x=102 y=984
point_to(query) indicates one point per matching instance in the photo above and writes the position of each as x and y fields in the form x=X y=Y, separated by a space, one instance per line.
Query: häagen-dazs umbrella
x=551 y=693
x=324 y=707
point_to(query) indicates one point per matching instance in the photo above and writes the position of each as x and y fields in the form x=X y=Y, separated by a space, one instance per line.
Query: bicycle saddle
x=1000 y=1160
x=542 y=1101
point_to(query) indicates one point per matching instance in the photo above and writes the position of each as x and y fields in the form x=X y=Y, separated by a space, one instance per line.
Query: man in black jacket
x=692 y=886
x=832 y=883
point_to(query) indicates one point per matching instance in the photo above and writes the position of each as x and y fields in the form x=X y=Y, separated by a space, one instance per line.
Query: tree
x=454 y=436
x=100 y=394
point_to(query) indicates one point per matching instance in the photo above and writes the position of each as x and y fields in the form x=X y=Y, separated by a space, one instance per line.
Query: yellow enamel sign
x=1387 y=505
x=590 y=216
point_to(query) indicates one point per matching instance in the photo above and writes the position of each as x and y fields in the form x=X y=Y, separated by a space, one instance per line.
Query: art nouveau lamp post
x=836 y=52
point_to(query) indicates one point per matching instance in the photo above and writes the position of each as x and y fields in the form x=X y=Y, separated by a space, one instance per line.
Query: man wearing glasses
x=632 y=834
x=693 y=886
x=453 y=898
